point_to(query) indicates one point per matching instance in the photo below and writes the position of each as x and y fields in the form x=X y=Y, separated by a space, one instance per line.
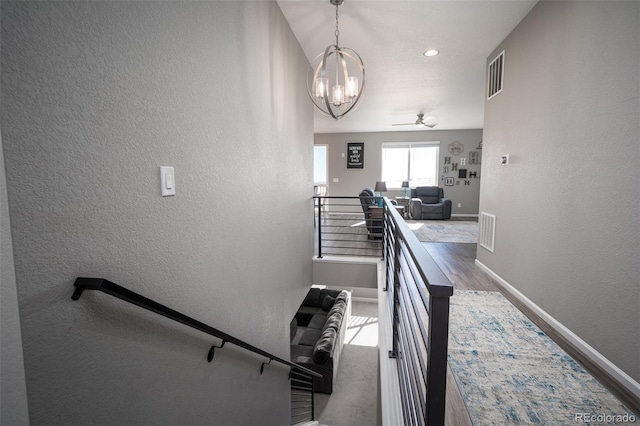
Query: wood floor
x=457 y=261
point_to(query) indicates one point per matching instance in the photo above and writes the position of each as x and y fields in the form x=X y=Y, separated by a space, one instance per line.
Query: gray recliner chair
x=368 y=200
x=428 y=203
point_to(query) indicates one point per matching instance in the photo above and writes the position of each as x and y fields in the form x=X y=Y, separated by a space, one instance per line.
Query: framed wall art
x=355 y=155
x=448 y=181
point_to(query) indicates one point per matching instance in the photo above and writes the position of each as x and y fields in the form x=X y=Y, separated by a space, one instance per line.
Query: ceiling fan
x=430 y=122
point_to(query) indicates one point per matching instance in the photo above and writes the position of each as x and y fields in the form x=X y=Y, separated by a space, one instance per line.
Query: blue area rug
x=445 y=231
x=510 y=372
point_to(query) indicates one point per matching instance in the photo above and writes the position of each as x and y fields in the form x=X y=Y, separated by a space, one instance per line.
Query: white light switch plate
x=167 y=181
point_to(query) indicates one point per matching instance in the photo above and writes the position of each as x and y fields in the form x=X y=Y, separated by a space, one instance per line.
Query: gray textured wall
x=351 y=181
x=96 y=96
x=567 y=207
x=13 y=391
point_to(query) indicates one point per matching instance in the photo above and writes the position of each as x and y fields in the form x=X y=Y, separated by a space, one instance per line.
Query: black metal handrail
x=418 y=299
x=127 y=295
x=337 y=230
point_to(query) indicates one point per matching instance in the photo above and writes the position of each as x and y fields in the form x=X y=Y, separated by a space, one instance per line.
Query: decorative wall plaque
x=456 y=148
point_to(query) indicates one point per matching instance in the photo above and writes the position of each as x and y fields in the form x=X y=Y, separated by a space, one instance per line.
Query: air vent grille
x=487 y=231
x=495 y=76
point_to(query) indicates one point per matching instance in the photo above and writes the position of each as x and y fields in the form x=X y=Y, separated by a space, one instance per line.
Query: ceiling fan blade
x=404 y=124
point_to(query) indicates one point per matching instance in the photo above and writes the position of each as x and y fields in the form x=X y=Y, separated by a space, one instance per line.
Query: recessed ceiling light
x=431 y=52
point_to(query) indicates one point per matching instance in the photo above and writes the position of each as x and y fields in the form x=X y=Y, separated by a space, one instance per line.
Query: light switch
x=336 y=180
x=167 y=181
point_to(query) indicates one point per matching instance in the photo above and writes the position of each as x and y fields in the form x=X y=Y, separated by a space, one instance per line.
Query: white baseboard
x=464 y=215
x=593 y=355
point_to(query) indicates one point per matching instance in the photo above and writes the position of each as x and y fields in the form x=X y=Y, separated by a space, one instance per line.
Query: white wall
x=96 y=96
x=352 y=181
x=567 y=207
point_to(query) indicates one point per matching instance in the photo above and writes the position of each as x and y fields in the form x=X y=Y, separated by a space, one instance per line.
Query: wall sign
x=355 y=155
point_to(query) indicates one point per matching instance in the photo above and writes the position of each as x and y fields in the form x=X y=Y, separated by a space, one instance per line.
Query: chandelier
x=340 y=95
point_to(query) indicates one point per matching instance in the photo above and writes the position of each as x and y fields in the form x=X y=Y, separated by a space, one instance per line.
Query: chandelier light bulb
x=321 y=85
x=338 y=95
x=352 y=87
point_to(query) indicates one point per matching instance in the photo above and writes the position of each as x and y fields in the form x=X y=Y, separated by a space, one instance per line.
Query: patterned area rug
x=445 y=231
x=510 y=372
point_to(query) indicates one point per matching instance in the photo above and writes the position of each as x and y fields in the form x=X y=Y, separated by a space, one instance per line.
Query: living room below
x=460 y=154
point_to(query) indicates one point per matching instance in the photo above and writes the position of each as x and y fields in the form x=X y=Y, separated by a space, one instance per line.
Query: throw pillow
x=343 y=295
x=338 y=307
x=333 y=322
x=327 y=303
x=322 y=350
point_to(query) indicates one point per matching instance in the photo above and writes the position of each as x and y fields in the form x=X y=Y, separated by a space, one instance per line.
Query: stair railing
x=115 y=290
x=418 y=295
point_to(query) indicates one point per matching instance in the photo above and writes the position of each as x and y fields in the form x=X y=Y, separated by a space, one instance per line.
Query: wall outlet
x=459 y=205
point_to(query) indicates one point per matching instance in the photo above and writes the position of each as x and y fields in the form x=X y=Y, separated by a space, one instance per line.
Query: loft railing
x=342 y=229
x=300 y=376
x=418 y=298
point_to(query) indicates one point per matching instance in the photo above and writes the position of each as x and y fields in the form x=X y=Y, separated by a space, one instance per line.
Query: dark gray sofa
x=324 y=314
x=428 y=202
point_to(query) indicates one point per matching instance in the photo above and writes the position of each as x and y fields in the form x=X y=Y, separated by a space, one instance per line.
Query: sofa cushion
x=324 y=346
x=433 y=208
x=338 y=307
x=317 y=321
x=343 y=295
x=328 y=292
x=308 y=310
x=327 y=302
x=305 y=314
x=334 y=321
x=428 y=194
x=312 y=298
x=310 y=337
x=301 y=351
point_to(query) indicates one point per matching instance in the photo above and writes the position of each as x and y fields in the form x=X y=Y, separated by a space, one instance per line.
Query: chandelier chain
x=337 y=33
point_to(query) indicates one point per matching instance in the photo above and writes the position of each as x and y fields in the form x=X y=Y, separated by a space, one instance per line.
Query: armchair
x=428 y=202
x=369 y=201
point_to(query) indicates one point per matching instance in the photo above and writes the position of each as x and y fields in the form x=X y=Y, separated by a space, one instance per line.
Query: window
x=320 y=164
x=416 y=162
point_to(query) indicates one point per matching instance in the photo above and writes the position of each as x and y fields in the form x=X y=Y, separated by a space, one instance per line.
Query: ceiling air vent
x=495 y=75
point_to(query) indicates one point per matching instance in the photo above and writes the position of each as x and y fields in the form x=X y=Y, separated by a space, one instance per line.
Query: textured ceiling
x=391 y=36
